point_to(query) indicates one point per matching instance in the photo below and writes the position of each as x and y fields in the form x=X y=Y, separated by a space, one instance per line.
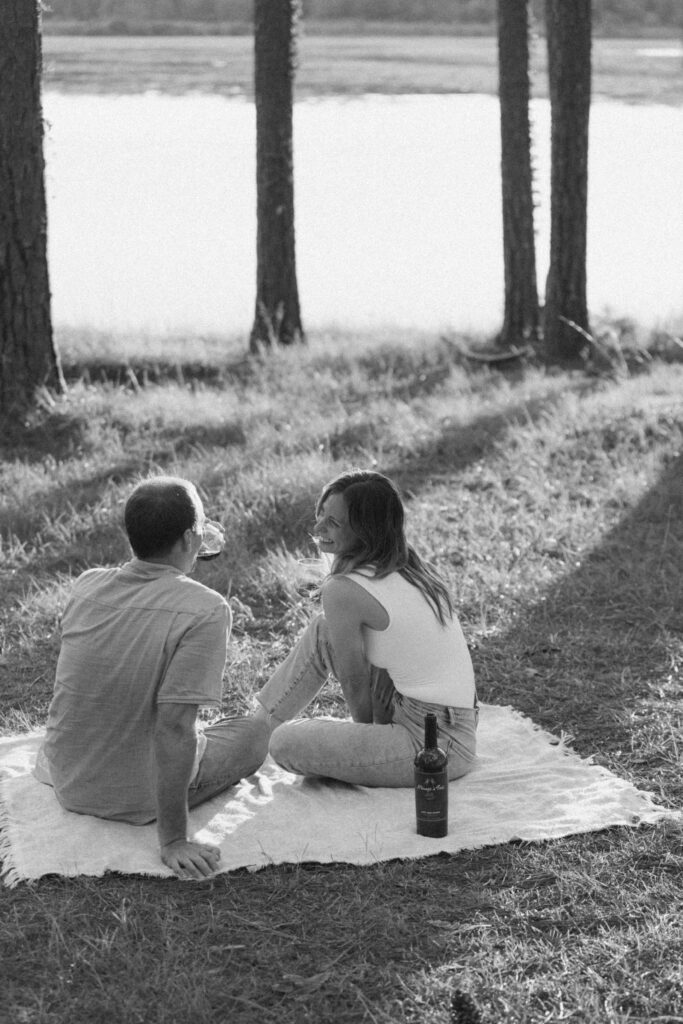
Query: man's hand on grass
x=191 y=860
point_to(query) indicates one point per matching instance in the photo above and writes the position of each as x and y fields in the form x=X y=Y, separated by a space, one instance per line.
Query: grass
x=551 y=502
x=623 y=69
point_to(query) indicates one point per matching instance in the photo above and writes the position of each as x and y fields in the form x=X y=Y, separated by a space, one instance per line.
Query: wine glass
x=213 y=540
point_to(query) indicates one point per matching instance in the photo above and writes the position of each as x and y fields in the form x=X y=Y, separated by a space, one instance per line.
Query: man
x=143 y=647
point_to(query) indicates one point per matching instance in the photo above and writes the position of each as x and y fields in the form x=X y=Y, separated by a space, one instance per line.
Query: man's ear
x=186 y=540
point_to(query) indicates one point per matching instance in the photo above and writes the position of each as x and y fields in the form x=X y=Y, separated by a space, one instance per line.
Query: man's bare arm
x=174 y=751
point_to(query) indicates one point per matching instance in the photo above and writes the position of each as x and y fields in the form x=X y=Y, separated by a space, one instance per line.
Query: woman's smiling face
x=332 y=531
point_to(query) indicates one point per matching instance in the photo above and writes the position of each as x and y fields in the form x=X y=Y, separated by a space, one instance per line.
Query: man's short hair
x=158 y=512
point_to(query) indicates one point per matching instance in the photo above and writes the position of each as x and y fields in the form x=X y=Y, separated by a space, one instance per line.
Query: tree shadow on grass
x=598 y=655
x=24 y=520
x=142 y=372
x=60 y=436
x=461 y=445
x=43 y=433
x=186 y=440
x=67 y=434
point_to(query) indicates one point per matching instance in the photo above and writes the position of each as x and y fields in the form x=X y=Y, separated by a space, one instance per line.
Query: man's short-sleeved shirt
x=132 y=638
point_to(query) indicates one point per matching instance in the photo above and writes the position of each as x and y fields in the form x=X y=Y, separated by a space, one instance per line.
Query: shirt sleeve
x=195 y=671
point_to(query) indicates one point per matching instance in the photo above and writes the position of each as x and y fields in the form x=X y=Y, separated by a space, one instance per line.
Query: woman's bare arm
x=348 y=607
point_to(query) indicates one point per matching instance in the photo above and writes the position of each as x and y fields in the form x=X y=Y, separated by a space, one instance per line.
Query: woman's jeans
x=367 y=755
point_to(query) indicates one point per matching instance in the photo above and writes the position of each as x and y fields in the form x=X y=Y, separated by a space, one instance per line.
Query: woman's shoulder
x=343 y=582
x=349 y=587
x=346 y=597
x=368 y=575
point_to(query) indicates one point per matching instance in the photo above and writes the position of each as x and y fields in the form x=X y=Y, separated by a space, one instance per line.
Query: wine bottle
x=431 y=785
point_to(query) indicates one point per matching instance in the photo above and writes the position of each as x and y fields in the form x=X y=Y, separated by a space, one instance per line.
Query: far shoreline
x=627 y=70
x=123 y=27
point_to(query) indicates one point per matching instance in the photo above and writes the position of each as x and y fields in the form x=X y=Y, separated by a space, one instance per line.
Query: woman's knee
x=260 y=739
x=301 y=747
x=280 y=747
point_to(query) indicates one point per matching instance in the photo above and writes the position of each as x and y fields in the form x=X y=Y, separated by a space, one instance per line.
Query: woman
x=389 y=635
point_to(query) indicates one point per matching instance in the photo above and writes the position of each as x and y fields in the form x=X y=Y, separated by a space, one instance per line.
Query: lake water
x=152 y=199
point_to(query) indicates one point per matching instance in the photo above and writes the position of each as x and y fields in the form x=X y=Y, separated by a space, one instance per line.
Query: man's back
x=131 y=638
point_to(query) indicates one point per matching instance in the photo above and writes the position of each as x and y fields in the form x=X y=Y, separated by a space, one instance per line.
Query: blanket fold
x=527 y=785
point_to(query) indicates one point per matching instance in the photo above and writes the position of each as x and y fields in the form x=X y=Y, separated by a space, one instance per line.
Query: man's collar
x=143 y=567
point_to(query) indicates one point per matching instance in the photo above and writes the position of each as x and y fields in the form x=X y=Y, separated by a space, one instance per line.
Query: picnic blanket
x=527 y=785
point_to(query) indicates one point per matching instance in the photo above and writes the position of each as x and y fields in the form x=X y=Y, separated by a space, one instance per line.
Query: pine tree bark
x=277 y=317
x=28 y=357
x=521 y=313
x=568 y=27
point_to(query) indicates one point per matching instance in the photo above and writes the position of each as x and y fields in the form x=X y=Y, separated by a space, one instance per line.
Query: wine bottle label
x=432 y=790
x=431 y=802
x=430 y=787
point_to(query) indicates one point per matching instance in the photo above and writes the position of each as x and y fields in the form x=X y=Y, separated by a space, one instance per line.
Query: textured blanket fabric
x=527 y=785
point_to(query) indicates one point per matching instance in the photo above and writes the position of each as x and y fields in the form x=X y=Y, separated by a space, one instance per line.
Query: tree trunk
x=521 y=316
x=27 y=353
x=277 y=317
x=568 y=27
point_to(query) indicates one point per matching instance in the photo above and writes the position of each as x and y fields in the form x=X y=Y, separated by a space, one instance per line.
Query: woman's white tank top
x=427 y=661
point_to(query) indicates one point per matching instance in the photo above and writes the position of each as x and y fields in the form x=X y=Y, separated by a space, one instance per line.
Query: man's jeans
x=235 y=748
x=367 y=755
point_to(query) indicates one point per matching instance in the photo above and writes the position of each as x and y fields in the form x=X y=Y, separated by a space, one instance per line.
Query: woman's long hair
x=376 y=517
